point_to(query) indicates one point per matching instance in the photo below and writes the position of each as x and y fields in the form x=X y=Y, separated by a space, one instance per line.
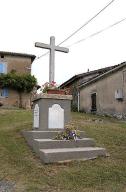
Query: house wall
x=13 y=99
x=73 y=88
x=20 y=65
x=105 y=95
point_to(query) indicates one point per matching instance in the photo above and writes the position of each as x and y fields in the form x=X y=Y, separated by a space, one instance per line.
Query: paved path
x=6 y=186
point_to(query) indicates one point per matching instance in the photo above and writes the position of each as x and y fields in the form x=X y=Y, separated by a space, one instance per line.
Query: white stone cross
x=52 y=47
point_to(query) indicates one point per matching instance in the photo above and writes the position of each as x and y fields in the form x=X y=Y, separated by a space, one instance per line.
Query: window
x=3 y=68
x=2 y=56
x=4 y=92
x=124 y=76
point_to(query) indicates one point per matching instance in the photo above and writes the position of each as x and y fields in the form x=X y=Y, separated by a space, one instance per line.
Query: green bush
x=19 y=82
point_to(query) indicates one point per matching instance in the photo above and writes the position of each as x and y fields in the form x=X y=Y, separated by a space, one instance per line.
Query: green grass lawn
x=20 y=166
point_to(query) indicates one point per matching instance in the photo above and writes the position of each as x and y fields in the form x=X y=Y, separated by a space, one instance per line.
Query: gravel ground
x=6 y=186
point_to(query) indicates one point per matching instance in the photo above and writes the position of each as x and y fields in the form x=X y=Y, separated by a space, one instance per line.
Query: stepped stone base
x=31 y=135
x=54 y=144
x=83 y=153
x=50 y=150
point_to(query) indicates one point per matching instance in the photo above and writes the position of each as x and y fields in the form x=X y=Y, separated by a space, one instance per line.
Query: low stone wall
x=115 y=115
x=120 y=116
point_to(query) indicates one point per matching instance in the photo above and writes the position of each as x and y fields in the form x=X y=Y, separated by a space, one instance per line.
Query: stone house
x=73 y=83
x=21 y=64
x=106 y=93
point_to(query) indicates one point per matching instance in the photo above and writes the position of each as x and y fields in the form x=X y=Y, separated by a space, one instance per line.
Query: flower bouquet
x=52 y=88
x=68 y=134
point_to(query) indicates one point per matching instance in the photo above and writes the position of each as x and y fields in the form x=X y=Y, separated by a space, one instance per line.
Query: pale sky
x=24 y=22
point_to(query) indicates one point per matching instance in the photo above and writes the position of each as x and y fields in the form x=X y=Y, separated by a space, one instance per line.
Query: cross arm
x=62 y=49
x=42 y=45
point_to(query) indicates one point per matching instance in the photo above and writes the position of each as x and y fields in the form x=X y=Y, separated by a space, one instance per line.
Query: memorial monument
x=51 y=113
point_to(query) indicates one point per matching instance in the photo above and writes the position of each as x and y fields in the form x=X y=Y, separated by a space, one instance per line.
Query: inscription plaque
x=36 y=116
x=56 y=117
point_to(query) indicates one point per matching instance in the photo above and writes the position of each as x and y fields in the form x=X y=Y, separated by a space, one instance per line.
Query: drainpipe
x=78 y=97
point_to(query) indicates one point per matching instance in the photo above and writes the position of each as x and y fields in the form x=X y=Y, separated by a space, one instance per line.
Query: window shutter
x=3 y=68
x=5 y=92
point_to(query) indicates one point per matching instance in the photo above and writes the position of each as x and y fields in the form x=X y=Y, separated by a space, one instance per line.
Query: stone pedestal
x=50 y=114
x=51 y=111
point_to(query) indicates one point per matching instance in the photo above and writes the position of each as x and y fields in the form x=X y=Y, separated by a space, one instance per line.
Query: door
x=93 y=102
